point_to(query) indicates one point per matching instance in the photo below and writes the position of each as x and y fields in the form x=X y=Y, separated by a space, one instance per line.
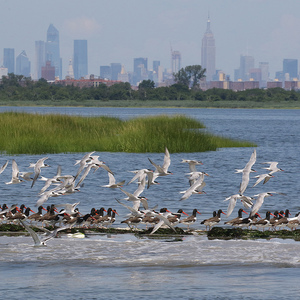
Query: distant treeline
x=19 y=88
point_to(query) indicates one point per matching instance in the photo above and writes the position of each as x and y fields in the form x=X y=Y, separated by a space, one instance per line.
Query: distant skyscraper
x=3 y=72
x=264 y=67
x=140 y=69
x=160 y=74
x=176 y=61
x=208 y=53
x=115 y=70
x=236 y=75
x=9 y=59
x=23 y=64
x=52 y=50
x=137 y=62
x=105 y=72
x=40 y=59
x=156 y=64
x=255 y=75
x=290 y=67
x=246 y=64
x=123 y=75
x=279 y=76
x=70 y=70
x=80 y=64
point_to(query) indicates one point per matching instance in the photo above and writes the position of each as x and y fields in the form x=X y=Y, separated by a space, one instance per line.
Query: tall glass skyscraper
x=80 y=61
x=9 y=59
x=23 y=64
x=208 y=53
x=156 y=64
x=246 y=64
x=290 y=68
x=140 y=69
x=115 y=68
x=264 y=67
x=52 y=50
x=176 y=61
x=105 y=72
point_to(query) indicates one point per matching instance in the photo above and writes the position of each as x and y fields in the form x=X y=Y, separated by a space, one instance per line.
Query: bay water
x=190 y=267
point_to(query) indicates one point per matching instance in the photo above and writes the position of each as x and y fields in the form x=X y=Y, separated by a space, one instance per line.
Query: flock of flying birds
x=136 y=203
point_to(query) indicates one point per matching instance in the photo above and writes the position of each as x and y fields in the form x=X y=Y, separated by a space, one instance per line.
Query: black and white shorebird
x=190 y=219
x=213 y=220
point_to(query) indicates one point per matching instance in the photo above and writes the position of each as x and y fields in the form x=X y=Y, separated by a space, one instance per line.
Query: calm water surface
x=123 y=266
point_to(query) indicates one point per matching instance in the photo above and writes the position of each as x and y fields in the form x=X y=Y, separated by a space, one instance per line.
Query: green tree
x=120 y=91
x=11 y=80
x=146 y=85
x=190 y=76
x=196 y=73
x=182 y=77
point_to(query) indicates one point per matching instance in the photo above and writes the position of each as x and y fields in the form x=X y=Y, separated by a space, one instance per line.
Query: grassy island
x=25 y=133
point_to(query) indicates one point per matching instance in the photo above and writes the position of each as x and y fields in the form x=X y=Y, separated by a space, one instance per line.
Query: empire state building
x=208 y=53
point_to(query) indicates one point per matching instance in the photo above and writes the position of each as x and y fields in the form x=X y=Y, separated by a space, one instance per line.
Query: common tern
x=246 y=200
x=37 y=169
x=196 y=188
x=163 y=216
x=192 y=164
x=69 y=208
x=15 y=174
x=273 y=167
x=3 y=167
x=246 y=171
x=262 y=177
x=83 y=162
x=54 y=180
x=38 y=241
x=259 y=201
x=162 y=171
x=112 y=182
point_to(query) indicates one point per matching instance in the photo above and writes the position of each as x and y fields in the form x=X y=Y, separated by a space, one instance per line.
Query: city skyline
x=118 y=32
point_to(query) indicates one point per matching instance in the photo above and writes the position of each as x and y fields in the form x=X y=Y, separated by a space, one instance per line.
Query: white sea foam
x=129 y=250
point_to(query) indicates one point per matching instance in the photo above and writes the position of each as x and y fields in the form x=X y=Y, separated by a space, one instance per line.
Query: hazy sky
x=120 y=30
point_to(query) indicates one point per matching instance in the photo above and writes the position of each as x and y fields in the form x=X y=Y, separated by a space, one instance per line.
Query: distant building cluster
x=48 y=65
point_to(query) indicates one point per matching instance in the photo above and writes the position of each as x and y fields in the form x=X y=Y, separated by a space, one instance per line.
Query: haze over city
x=118 y=31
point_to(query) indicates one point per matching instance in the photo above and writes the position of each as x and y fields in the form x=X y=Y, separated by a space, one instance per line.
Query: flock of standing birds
x=137 y=205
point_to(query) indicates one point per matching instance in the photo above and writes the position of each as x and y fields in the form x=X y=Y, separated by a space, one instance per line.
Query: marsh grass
x=25 y=133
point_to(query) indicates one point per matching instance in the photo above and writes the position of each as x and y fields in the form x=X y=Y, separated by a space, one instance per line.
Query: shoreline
x=216 y=232
x=156 y=104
